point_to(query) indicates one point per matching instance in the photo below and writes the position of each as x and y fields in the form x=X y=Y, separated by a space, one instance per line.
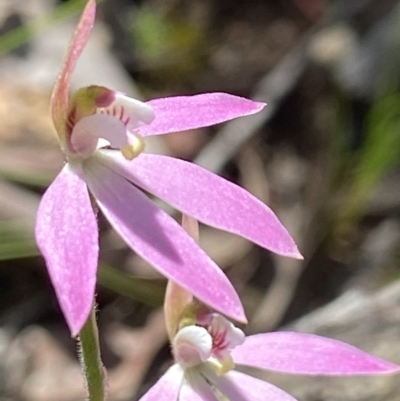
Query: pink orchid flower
x=111 y=175
x=206 y=354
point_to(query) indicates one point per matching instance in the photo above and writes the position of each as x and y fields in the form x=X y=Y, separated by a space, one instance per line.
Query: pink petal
x=67 y=235
x=160 y=240
x=168 y=386
x=241 y=387
x=208 y=198
x=195 y=388
x=60 y=95
x=307 y=354
x=182 y=113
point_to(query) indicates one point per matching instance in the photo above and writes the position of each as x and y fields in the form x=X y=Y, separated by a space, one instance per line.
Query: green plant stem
x=90 y=359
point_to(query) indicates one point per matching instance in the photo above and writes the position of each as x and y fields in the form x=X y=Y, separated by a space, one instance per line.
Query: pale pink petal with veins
x=208 y=198
x=67 y=235
x=241 y=387
x=181 y=113
x=308 y=354
x=160 y=240
x=168 y=386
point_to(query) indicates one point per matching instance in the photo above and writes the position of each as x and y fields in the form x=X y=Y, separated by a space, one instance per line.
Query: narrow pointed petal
x=241 y=387
x=208 y=198
x=168 y=386
x=181 y=113
x=67 y=236
x=160 y=240
x=60 y=95
x=308 y=354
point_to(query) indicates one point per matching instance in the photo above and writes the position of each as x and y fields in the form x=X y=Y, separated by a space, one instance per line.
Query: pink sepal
x=241 y=387
x=168 y=386
x=308 y=354
x=208 y=198
x=160 y=240
x=182 y=113
x=60 y=95
x=67 y=236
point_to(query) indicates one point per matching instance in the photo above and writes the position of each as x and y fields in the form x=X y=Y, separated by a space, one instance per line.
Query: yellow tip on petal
x=128 y=152
x=222 y=366
x=134 y=149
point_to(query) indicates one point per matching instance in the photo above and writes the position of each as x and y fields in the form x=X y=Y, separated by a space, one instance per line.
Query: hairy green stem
x=90 y=359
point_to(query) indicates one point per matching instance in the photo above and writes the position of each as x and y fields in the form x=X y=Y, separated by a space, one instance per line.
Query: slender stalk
x=90 y=359
x=177 y=299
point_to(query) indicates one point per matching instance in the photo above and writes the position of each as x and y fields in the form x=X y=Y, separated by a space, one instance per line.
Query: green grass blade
x=135 y=288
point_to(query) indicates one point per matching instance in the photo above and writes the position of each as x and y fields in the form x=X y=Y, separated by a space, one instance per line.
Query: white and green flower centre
x=100 y=117
x=209 y=344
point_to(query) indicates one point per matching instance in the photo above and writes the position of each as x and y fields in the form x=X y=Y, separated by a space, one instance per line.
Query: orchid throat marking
x=210 y=342
x=97 y=113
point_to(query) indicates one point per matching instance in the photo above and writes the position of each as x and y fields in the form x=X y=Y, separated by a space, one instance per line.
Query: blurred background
x=324 y=155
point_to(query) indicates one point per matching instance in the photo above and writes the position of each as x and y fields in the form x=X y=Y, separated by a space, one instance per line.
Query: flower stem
x=90 y=359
